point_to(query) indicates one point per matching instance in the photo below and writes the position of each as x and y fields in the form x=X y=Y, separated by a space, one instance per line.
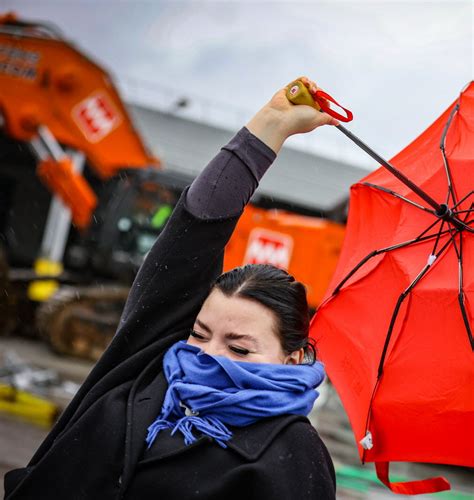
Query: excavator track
x=81 y=321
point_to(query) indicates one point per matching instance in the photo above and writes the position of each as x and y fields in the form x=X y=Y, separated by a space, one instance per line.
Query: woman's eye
x=239 y=350
x=197 y=335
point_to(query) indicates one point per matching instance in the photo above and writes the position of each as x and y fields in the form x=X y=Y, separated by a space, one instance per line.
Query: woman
x=137 y=428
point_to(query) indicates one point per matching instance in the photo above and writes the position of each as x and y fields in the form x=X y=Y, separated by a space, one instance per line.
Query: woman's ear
x=295 y=358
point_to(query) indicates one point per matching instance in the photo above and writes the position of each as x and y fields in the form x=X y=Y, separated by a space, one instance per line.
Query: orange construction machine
x=306 y=247
x=101 y=201
x=53 y=96
x=71 y=244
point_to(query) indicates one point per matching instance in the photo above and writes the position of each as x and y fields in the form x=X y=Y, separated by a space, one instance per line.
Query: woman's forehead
x=237 y=315
x=234 y=306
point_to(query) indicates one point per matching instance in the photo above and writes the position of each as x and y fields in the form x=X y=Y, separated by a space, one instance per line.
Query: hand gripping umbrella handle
x=298 y=93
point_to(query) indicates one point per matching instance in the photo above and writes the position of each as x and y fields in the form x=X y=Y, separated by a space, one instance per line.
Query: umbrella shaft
x=391 y=169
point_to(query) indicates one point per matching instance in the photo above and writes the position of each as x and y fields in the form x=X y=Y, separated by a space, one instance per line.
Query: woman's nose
x=213 y=348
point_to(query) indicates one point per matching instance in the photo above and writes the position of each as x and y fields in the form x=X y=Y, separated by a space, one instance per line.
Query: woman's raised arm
x=176 y=276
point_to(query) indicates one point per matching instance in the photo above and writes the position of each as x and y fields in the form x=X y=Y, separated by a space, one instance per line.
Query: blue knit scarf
x=207 y=393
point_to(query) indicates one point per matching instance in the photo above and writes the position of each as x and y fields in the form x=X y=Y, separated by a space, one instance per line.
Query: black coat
x=96 y=449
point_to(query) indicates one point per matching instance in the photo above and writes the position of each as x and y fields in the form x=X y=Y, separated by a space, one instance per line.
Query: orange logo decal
x=96 y=116
x=268 y=247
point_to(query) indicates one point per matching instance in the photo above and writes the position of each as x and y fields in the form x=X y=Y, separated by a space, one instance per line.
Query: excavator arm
x=52 y=94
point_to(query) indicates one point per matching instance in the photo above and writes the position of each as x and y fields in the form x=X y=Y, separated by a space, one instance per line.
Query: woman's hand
x=279 y=118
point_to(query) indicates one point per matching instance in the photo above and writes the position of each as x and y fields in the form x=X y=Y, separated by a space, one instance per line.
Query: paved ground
x=39 y=354
x=19 y=440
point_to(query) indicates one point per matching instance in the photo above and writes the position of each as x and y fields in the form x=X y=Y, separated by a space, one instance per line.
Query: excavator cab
x=133 y=210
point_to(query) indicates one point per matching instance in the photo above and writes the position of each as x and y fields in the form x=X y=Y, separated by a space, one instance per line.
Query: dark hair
x=282 y=294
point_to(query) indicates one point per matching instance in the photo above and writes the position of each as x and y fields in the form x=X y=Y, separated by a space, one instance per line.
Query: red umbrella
x=395 y=328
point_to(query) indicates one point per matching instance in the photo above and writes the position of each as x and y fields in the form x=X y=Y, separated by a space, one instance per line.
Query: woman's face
x=240 y=329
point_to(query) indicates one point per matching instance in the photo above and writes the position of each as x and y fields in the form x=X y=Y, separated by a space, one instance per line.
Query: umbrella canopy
x=395 y=328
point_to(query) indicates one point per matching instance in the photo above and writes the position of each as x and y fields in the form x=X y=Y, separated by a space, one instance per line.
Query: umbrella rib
x=462 y=305
x=442 y=146
x=467 y=212
x=462 y=199
x=453 y=239
x=433 y=252
x=369 y=414
x=400 y=300
x=420 y=238
x=399 y=196
x=464 y=223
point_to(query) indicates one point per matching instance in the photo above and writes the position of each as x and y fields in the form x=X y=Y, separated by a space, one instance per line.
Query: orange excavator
x=51 y=96
x=72 y=243
x=100 y=201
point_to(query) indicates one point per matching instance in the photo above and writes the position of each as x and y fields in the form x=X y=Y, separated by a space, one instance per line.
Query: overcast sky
x=396 y=64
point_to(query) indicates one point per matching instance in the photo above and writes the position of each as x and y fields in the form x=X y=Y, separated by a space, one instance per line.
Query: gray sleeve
x=228 y=182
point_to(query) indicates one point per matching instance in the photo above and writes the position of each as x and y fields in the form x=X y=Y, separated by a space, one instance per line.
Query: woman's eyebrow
x=239 y=336
x=203 y=325
x=230 y=335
